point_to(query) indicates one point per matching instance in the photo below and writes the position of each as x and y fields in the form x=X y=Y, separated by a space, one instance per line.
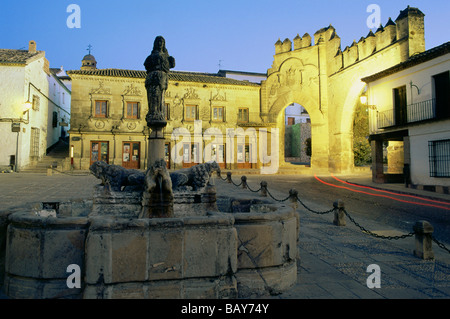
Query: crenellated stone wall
x=326 y=81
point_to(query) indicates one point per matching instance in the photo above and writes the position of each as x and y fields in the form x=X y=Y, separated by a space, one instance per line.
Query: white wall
x=420 y=135
x=380 y=94
x=14 y=85
x=60 y=95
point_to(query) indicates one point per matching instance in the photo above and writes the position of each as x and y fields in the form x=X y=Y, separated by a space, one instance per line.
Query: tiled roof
x=181 y=76
x=10 y=56
x=412 y=61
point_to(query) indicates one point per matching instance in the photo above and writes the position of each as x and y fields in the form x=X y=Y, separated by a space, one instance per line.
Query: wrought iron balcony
x=416 y=112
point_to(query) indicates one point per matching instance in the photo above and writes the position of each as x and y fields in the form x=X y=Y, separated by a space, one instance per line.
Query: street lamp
x=363 y=98
x=26 y=110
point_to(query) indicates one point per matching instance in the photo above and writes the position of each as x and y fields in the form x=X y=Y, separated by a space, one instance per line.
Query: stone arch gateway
x=327 y=81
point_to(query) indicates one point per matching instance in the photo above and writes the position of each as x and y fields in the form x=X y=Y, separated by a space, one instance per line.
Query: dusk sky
x=199 y=33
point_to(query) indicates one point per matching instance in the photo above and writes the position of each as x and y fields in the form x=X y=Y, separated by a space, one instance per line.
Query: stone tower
x=89 y=62
x=410 y=25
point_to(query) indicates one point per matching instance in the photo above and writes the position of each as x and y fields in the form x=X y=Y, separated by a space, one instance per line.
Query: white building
x=29 y=95
x=410 y=113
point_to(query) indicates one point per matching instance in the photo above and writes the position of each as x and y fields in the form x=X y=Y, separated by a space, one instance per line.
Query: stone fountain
x=152 y=234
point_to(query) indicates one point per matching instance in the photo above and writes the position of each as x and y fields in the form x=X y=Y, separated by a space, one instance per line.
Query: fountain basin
x=245 y=248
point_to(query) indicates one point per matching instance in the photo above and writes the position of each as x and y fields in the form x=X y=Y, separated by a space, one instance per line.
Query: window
x=191 y=113
x=243 y=115
x=55 y=119
x=101 y=108
x=36 y=102
x=34 y=142
x=442 y=94
x=291 y=120
x=439 y=157
x=217 y=114
x=132 y=110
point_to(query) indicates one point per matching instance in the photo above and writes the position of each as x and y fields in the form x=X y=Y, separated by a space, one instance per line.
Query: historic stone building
x=109 y=106
x=210 y=117
x=315 y=73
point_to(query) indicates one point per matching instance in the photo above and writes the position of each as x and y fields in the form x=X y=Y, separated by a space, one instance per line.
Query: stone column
x=377 y=161
x=424 y=232
x=339 y=215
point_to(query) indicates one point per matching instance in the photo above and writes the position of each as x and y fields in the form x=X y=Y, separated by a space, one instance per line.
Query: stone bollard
x=423 y=231
x=263 y=188
x=293 y=196
x=339 y=215
x=244 y=181
x=49 y=171
x=229 y=177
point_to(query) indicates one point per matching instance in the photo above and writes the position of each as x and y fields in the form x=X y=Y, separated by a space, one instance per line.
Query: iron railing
x=415 y=112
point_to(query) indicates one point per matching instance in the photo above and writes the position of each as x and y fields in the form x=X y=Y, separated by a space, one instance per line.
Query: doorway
x=131 y=155
x=99 y=151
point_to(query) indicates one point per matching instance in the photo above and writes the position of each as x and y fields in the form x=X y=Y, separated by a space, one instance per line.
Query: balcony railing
x=416 y=112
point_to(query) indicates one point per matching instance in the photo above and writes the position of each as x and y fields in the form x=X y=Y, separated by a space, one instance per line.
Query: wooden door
x=131 y=155
x=99 y=151
x=244 y=155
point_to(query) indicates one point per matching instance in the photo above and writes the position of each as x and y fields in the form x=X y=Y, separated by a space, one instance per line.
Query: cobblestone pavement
x=333 y=260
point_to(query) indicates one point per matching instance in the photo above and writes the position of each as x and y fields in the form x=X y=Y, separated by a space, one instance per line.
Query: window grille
x=439 y=158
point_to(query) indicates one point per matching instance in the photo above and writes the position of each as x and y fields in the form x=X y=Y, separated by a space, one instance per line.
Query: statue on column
x=157 y=64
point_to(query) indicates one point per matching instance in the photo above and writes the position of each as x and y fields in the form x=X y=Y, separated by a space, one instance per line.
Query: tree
x=361 y=147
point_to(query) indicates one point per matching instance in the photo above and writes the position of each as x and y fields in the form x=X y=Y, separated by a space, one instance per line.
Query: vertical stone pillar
x=424 y=232
x=229 y=177
x=377 y=161
x=339 y=215
x=244 y=181
x=263 y=188
x=293 y=196
x=155 y=146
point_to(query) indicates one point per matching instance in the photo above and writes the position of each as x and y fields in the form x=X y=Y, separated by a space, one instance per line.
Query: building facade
x=30 y=111
x=410 y=116
x=210 y=117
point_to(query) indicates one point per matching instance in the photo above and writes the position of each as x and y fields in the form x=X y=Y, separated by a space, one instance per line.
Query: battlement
x=409 y=25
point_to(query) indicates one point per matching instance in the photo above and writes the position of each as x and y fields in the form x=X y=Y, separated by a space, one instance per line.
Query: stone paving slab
x=333 y=260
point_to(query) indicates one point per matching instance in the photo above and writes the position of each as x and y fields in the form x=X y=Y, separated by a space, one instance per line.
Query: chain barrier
x=278 y=200
x=364 y=230
x=313 y=211
x=253 y=191
x=374 y=234
x=441 y=245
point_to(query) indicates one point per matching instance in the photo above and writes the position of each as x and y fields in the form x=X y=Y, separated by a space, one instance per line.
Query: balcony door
x=400 y=105
x=442 y=94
